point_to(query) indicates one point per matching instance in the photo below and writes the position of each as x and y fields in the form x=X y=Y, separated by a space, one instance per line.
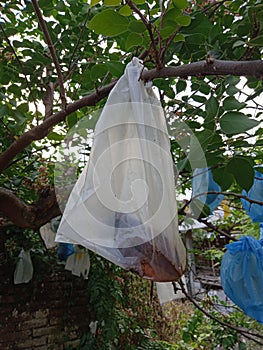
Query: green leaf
x=137 y=27
x=55 y=136
x=232 y=90
x=204 y=88
x=179 y=37
x=109 y=23
x=180 y=86
x=112 y=2
x=134 y=39
x=196 y=38
x=72 y=119
x=181 y=4
x=199 y=98
x=166 y=32
x=238 y=43
x=242 y=170
x=199 y=24
x=204 y=137
x=183 y=20
x=20 y=118
x=23 y=108
x=98 y=71
x=162 y=84
x=4 y=110
x=258 y=41
x=236 y=122
x=230 y=103
x=94 y=2
x=169 y=19
x=125 y=10
x=228 y=19
x=223 y=178
x=259 y=143
x=212 y=107
x=116 y=68
x=170 y=93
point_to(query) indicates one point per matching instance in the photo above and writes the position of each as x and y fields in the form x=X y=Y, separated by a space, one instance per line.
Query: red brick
x=36 y=322
x=32 y=343
x=15 y=336
x=38 y=332
x=73 y=343
x=54 y=321
x=33 y=323
x=56 y=338
x=42 y=313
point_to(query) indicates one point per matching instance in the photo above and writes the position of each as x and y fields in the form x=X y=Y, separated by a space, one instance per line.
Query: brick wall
x=50 y=312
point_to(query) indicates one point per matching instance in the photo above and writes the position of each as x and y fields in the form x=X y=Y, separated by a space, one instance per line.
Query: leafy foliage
x=93 y=41
x=117 y=300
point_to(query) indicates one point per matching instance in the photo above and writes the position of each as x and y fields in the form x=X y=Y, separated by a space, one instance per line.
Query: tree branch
x=48 y=96
x=52 y=51
x=217 y=229
x=203 y=68
x=33 y=215
x=218 y=67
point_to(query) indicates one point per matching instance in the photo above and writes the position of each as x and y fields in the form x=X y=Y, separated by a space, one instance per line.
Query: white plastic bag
x=24 y=268
x=48 y=236
x=166 y=291
x=79 y=263
x=123 y=205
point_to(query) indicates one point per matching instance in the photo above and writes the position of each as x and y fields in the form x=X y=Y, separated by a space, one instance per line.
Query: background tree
x=60 y=59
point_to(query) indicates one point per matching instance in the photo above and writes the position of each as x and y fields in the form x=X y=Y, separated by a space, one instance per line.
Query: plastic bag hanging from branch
x=202 y=183
x=254 y=210
x=123 y=205
x=24 y=268
x=242 y=275
x=79 y=263
x=65 y=250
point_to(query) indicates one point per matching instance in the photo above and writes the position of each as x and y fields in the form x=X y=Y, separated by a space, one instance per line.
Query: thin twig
x=215 y=4
x=245 y=333
x=22 y=69
x=52 y=52
x=79 y=38
x=29 y=154
x=217 y=229
x=149 y=27
x=240 y=196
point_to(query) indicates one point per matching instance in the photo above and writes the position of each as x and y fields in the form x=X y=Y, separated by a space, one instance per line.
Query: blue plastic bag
x=255 y=211
x=65 y=250
x=242 y=275
x=203 y=182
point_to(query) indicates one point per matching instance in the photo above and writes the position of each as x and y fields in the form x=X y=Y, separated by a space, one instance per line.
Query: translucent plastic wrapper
x=79 y=263
x=202 y=183
x=254 y=210
x=242 y=275
x=123 y=205
x=48 y=236
x=24 y=268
